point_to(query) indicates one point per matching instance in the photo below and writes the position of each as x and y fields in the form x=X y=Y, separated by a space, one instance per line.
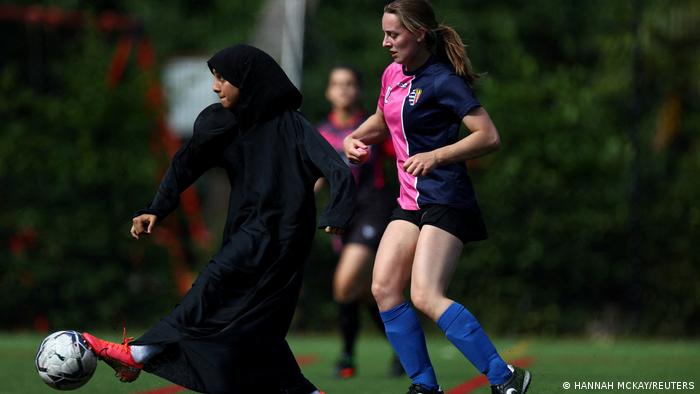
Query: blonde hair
x=442 y=40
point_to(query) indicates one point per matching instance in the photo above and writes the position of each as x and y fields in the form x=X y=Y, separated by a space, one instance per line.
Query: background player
x=374 y=202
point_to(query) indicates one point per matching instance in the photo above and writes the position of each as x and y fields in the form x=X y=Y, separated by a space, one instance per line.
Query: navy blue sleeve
x=454 y=93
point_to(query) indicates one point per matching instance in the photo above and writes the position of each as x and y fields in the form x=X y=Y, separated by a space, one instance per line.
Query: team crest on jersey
x=414 y=96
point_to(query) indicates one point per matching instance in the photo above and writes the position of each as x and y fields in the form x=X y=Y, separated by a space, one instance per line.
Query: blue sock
x=465 y=332
x=406 y=336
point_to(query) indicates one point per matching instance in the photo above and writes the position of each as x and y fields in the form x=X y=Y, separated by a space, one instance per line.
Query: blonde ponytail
x=449 y=44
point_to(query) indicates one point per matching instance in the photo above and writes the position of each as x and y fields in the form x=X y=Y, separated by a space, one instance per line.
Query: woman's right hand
x=143 y=224
x=356 y=151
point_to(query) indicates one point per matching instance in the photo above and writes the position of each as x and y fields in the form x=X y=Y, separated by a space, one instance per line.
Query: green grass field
x=553 y=362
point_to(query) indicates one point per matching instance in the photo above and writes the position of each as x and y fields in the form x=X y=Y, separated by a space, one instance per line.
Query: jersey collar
x=420 y=69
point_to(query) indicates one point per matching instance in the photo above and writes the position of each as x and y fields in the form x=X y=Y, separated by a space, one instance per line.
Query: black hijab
x=265 y=90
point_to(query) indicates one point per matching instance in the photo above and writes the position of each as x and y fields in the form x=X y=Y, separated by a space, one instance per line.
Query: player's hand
x=420 y=164
x=334 y=230
x=143 y=224
x=356 y=151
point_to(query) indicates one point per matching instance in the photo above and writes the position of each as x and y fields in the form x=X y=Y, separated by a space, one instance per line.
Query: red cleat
x=117 y=356
x=345 y=368
x=346 y=373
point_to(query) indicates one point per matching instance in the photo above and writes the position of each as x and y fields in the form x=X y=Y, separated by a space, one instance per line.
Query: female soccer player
x=374 y=202
x=425 y=95
x=228 y=333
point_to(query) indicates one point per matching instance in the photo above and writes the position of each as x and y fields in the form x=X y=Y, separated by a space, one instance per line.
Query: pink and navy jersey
x=423 y=110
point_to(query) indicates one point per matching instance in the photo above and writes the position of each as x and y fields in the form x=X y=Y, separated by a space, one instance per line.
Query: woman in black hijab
x=228 y=333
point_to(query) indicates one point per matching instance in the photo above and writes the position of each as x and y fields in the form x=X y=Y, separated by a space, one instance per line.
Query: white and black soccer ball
x=64 y=360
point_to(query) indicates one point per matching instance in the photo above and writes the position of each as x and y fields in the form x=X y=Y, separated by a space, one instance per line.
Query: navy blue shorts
x=465 y=224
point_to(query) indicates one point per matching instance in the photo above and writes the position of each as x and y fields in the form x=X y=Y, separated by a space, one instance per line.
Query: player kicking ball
x=228 y=333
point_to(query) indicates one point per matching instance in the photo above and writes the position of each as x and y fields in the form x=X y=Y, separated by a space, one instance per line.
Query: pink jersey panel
x=395 y=89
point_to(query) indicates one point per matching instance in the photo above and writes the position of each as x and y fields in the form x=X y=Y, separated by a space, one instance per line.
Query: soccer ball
x=64 y=360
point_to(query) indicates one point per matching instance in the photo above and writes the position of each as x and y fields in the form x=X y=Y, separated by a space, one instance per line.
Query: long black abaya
x=228 y=333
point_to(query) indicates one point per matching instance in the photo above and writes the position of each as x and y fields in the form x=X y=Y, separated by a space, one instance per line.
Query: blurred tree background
x=592 y=202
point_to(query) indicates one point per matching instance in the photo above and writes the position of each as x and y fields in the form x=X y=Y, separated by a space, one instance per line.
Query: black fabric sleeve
x=188 y=164
x=342 y=196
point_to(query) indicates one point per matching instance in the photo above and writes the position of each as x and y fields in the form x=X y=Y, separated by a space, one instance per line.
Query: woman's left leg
x=436 y=257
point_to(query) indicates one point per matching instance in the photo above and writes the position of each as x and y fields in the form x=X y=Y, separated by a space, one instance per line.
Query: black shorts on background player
x=370 y=219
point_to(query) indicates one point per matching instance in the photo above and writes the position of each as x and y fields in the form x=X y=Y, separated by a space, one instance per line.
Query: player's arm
x=483 y=138
x=186 y=167
x=371 y=131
